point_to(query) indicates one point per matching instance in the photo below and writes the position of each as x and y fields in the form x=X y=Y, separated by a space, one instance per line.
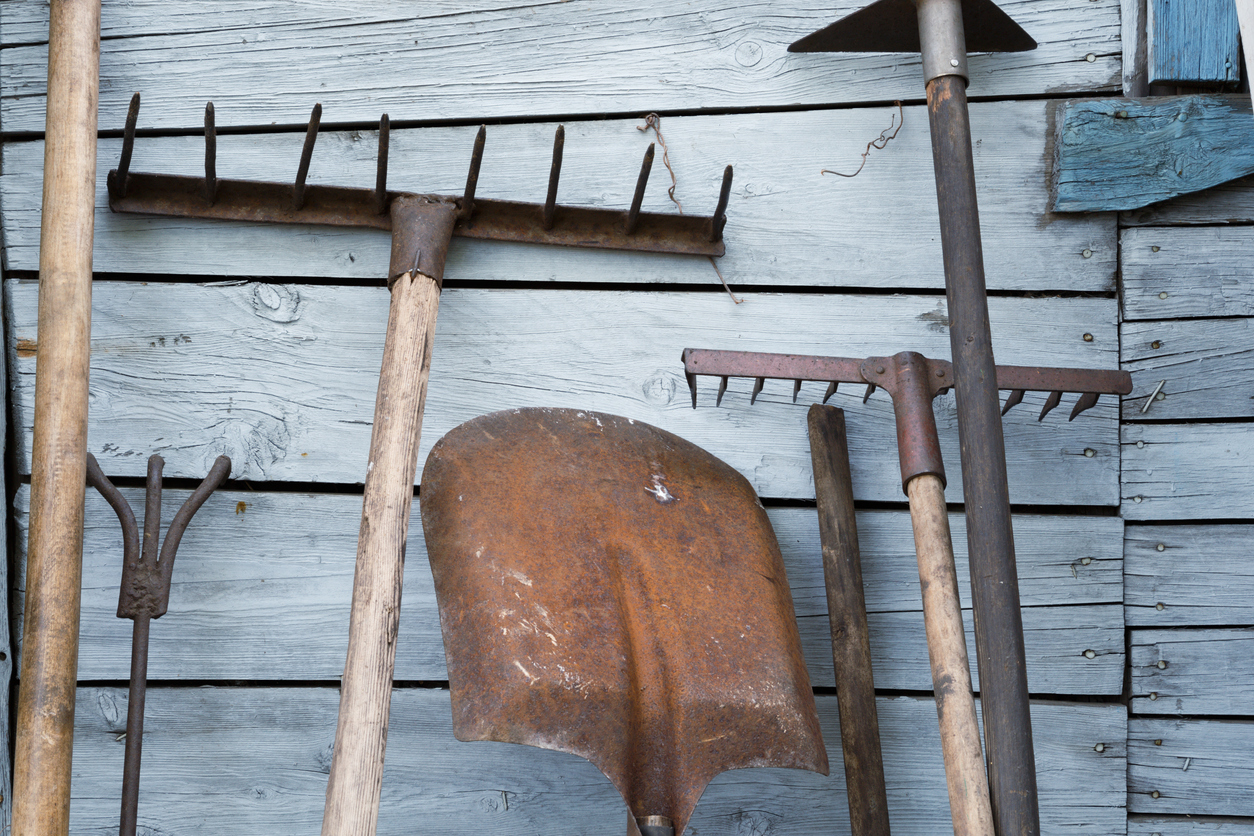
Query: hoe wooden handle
x=352 y=805
x=947 y=648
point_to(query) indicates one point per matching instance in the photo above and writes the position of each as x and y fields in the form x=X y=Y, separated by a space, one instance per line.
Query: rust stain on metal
x=609 y=589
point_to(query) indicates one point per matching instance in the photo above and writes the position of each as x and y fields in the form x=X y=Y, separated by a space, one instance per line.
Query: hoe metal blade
x=893 y=26
x=609 y=589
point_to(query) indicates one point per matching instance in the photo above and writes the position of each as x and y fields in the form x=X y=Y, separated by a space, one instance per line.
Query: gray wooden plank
x=1120 y=154
x=788 y=224
x=1200 y=574
x=282 y=378
x=247 y=761
x=1206 y=367
x=1196 y=767
x=1132 y=40
x=1224 y=204
x=1186 y=471
x=6 y=640
x=1204 y=271
x=267 y=62
x=1204 y=671
x=1188 y=826
x=1193 y=43
x=260 y=572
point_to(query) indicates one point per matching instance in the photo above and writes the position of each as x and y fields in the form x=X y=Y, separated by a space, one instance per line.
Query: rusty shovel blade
x=609 y=589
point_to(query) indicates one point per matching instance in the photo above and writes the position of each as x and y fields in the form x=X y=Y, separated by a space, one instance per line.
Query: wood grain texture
x=1202 y=575
x=263 y=63
x=1188 y=826
x=1193 y=42
x=1208 y=366
x=1205 y=272
x=260 y=572
x=965 y=773
x=1132 y=41
x=1245 y=20
x=247 y=761
x=281 y=377
x=1198 y=672
x=1187 y=471
x=1217 y=780
x=788 y=224
x=1224 y=204
x=1120 y=154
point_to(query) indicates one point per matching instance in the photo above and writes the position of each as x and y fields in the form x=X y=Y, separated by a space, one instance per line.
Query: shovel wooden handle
x=947 y=649
x=45 y=714
x=420 y=236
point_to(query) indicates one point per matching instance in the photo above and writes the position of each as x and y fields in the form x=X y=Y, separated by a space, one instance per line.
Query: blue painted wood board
x=1116 y=154
x=1192 y=42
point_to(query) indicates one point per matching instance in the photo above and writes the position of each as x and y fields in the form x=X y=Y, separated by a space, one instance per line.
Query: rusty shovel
x=609 y=589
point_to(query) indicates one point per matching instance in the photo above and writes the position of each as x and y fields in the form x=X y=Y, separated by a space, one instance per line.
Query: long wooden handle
x=352 y=805
x=846 y=607
x=45 y=715
x=947 y=649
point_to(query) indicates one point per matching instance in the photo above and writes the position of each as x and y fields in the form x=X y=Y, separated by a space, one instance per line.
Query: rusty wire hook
x=145 y=594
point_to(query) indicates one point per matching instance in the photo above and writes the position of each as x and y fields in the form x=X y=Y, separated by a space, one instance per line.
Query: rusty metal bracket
x=500 y=220
x=145 y=594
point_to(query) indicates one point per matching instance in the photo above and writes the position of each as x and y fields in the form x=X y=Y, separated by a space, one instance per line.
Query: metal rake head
x=300 y=203
x=799 y=368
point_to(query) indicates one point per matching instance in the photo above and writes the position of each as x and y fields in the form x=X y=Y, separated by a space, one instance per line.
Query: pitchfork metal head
x=1089 y=383
x=893 y=26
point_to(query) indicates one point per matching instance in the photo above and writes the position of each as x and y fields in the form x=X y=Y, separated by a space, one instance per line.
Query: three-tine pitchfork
x=913 y=381
x=422 y=226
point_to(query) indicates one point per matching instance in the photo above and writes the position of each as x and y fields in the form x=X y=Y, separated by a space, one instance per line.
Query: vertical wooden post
x=420 y=237
x=45 y=715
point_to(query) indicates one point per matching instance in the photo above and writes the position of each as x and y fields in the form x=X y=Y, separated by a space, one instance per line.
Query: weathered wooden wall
x=1188 y=285
x=264 y=343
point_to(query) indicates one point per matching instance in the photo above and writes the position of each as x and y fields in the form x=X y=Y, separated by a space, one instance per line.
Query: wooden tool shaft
x=352 y=804
x=846 y=607
x=947 y=649
x=45 y=717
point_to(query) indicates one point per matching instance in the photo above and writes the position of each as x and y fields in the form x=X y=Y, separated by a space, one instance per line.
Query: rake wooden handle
x=352 y=804
x=45 y=715
x=969 y=802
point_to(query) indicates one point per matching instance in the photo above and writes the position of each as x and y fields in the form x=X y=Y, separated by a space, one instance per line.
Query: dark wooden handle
x=846 y=606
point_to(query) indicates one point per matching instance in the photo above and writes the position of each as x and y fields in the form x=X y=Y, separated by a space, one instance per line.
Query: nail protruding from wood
x=633 y=214
x=555 y=172
x=719 y=219
x=831 y=390
x=758 y=383
x=306 y=154
x=722 y=390
x=1153 y=395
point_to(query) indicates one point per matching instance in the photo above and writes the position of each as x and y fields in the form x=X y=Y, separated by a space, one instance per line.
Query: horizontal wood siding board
x=267 y=63
x=1217 y=753
x=1188 y=826
x=1208 y=366
x=1187 y=471
x=1193 y=43
x=1120 y=154
x=282 y=378
x=1198 y=672
x=1229 y=203
x=1203 y=272
x=788 y=224
x=260 y=572
x=1203 y=575
x=247 y=761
